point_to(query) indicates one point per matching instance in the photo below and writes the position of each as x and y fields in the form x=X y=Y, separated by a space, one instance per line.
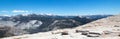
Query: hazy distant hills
x=33 y=23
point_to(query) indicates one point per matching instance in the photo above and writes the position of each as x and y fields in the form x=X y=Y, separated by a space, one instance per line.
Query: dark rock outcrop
x=6 y=31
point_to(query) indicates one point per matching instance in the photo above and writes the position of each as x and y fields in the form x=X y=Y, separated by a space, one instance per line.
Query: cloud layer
x=14 y=11
x=20 y=11
x=3 y=11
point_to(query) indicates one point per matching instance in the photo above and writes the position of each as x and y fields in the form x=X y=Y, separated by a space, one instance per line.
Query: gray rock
x=81 y=31
x=6 y=31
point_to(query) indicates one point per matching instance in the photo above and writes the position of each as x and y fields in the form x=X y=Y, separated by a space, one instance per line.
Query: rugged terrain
x=106 y=28
x=34 y=23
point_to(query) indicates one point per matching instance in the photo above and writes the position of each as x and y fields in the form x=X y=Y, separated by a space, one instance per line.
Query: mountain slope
x=109 y=23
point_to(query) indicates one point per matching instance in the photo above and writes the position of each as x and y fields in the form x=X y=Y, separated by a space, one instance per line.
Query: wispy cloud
x=20 y=11
x=3 y=11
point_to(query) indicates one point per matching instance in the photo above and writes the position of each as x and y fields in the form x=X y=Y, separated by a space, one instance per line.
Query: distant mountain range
x=105 y=28
x=33 y=23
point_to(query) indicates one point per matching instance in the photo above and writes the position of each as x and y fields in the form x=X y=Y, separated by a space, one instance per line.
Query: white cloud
x=20 y=11
x=7 y=15
x=3 y=11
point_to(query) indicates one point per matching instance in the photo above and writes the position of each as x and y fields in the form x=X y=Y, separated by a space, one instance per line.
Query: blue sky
x=60 y=7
